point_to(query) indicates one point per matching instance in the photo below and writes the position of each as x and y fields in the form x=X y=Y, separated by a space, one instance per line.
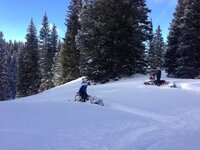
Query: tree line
x=105 y=40
x=27 y=68
x=182 y=58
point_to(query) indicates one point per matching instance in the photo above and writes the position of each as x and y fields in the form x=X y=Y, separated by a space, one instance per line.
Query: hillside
x=135 y=117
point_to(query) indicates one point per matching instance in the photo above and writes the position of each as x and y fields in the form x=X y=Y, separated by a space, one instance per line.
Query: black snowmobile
x=152 y=81
x=155 y=82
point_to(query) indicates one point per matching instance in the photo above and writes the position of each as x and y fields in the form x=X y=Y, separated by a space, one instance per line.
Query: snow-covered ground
x=135 y=117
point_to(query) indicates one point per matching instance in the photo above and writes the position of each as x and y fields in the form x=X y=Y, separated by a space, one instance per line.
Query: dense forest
x=104 y=40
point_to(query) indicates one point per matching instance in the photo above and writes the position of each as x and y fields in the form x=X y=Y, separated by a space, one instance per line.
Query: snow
x=135 y=117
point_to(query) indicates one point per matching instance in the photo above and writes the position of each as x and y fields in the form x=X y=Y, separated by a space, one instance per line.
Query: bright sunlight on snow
x=135 y=117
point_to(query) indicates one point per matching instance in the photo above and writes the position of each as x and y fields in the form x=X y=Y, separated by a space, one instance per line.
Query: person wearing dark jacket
x=158 y=76
x=83 y=91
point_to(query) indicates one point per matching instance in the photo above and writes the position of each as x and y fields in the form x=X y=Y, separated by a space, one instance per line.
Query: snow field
x=135 y=117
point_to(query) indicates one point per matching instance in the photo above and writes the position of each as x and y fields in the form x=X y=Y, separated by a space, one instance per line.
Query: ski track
x=165 y=119
x=166 y=124
x=130 y=139
x=187 y=120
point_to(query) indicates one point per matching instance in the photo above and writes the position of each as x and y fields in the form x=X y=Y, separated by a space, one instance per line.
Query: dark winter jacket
x=158 y=75
x=83 y=89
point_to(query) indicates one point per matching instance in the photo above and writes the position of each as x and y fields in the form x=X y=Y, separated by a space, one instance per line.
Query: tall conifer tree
x=150 y=53
x=46 y=55
x=171 y=55
x=28 y=72
x=57 y=66
x=158 y=46
x=70 y=53
x=189 y=48
x=106 y=40
x=54 y=40
x=142 y=31
x=4 y=72
x=13 y=50
x=111 y=40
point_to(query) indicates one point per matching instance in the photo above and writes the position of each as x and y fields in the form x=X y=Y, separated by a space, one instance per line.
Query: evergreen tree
x=106 y=40
x=171 y=54
x=46 y=55
x=156 y=55
x=57 y=67
x=28 y=68
x=111 y=39
x=22 y=79
x=13 y=50
x=56 y=57
x=54 y=40
x=83 y=40
x=189 y=48
x=150 y=53
x=70 y=54
x=142 y=33
x=4 y=76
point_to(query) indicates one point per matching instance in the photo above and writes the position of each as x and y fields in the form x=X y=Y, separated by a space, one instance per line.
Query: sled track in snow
x=180 y=121
x=154 y=116
x=131 y=138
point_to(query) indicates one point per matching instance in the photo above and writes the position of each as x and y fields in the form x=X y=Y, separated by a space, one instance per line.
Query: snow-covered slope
x=135 y=117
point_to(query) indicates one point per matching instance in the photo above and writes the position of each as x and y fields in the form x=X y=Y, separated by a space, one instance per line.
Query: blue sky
x=15 y=15
x=162 y=13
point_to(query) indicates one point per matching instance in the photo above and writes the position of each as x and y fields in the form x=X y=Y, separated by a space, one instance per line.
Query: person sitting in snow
x=83 y=90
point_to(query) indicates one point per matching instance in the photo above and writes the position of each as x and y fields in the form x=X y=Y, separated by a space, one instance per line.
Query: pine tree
x=189 y=48
x=70 y=54
x=171 y=55
x=4 y=76
x=106 y=40
x=13 y=50
x=57 y=66
x=196 y=47
x=46 y=55
x=83 y=39
x=157 y=52
x=55 y=46
x=54 y=40
x=28 y=80
x=22 y=79
x=111 y=39
x=150 y=53
x=142 y=31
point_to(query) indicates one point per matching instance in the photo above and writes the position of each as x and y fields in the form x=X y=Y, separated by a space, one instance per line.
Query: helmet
x=85 y=81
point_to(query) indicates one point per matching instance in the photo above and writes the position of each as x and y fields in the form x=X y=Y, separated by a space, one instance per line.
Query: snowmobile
x=152 y=81
x=91 y=99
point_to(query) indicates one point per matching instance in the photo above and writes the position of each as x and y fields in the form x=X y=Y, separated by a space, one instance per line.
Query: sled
x=161 y=83
x=91 y=99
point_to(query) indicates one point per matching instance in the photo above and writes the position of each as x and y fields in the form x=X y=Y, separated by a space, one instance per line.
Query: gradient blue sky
x=15 y=15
